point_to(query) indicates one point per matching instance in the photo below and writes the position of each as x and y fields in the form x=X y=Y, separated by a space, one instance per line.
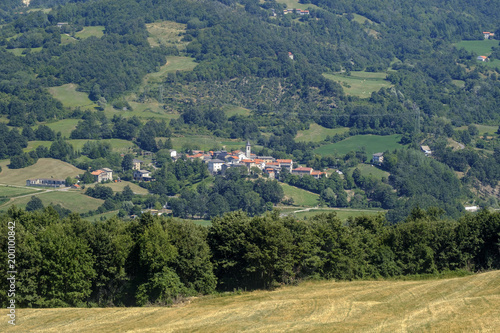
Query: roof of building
x=52 y=179
x=425 y=148
x=143 y=171
x=378 y=154
x=284 y=161
x=97 y=172
x=302 y=169
x=107 y=169
x=215 y=161
x=137 y=161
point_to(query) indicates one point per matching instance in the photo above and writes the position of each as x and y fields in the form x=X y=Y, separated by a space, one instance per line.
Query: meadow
x=71 y=98
x=65 y=126
x=368 y=169
x=318 y=133
x=119 y=186
x=459 y=304
x=95 y=31
x=342 y=213
x=371 y=143
x=300 y=197
x=481 y=48
x=167 y=33
x=44 y=168
x=361 y=83
x=75 y=201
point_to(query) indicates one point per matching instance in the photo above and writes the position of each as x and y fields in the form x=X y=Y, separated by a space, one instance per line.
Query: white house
x=141 y=174
x=215 y=166
x=378 y=158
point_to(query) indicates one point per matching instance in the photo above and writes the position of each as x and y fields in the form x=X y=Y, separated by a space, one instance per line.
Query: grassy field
x=44 y=168
x=19 y=51
x=118 y=145
x=360 y=84
x=67 y=39
x=368 y=169
x=300 y=197
x=491 y=130
x=33 y=144
x=167 y=33
x=173 y=64
x=118 y=187
x=317 y=133
x=10 y=191
x=96 y=31
x=71 y=98
x=65 y=126
x=372 y=144
x=342 y=213
x=480 y=47
x=461 y=304
x=75 y=201
x=231 y=110
x=146 y=110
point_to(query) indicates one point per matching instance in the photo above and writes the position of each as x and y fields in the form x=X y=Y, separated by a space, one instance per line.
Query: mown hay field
x=464 y=304
x=44 y=168
x=318 y=133
x=371 y=143
x=360 y=84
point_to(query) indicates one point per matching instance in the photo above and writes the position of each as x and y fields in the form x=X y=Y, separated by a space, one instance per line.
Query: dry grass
x=466 y=304
x=44 y=168
x=167 y=33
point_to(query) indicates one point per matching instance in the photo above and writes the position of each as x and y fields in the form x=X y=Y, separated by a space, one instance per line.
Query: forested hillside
x=373 y=68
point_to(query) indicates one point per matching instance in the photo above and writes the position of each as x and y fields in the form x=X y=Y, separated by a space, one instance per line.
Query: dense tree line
x=153 y=260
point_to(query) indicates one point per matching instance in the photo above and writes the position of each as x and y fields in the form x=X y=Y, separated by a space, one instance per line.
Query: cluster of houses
x=296 y=11
x=220 y=161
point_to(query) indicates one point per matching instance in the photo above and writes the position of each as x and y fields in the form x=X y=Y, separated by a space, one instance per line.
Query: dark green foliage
x=34 y=204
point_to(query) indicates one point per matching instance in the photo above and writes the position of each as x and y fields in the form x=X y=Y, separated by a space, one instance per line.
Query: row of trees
x=153 y=260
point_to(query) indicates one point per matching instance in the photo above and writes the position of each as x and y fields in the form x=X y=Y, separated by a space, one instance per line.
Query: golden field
x=464 y=304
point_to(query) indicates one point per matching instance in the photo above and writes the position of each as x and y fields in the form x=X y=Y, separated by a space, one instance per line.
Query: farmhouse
x=103 y=174
x=142 y=175
x=136 y=164
x=427 y=151
x=50 y=182
x=378 y=158
x=488 y=35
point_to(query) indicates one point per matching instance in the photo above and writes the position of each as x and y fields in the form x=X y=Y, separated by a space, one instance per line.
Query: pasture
x=95 y=31
x=65 y=126
x=371 y=143
x=460 y=304
x=44 y=168
x=318 y=133
x=480 y=47
x=75 y=201
x=167 y=33
x=342 y=213
x=361 y=83
x=119 y=186
x=368 y=169
x=71 y=98
x=118 y=145
x=300 y=197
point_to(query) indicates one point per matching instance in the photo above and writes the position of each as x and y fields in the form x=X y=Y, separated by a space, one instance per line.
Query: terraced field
x=464 y=304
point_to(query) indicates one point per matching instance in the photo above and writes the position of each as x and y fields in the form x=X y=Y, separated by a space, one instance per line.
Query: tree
x=127 y=163
x=34 y=204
